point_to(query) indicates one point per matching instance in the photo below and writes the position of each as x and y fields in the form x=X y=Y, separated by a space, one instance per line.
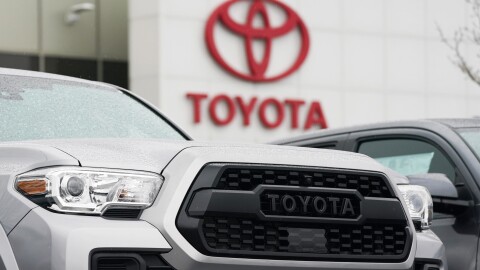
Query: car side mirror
x=438 y=184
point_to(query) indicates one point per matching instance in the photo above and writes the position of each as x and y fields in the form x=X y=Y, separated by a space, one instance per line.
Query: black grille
x=242 y=210
x=118 y=264
x=128 y=260
x=122 y=213
x=244 y=178
x=255 y=237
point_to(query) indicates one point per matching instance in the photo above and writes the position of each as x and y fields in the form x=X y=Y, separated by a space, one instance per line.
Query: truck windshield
x=38 y=108
x=472 y=137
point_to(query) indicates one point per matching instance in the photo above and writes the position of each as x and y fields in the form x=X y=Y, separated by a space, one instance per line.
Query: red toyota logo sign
x=257 y=69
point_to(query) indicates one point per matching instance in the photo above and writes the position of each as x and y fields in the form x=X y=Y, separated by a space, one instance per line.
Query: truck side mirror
x=438 y=184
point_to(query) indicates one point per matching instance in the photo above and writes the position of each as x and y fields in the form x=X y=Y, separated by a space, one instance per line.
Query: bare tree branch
x=463 y=36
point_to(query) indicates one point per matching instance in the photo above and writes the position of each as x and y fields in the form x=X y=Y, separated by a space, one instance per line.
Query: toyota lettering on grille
x=319 y=205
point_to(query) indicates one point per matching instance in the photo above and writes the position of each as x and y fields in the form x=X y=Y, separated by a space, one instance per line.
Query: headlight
x=89 y=191
x=419 y=203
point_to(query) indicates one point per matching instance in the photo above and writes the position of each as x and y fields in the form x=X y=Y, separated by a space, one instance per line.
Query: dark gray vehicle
x=92 y=177
x=442 y=155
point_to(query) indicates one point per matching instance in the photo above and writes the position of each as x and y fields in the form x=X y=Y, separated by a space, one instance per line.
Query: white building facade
x=366 y=61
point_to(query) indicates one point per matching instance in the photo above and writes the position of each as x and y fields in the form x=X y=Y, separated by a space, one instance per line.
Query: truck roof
x=429 y=124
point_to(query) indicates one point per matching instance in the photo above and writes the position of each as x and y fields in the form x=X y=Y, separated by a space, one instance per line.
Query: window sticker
x=408 y=164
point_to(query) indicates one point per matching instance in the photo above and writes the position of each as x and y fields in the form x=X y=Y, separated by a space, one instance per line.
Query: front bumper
x=178 y=180
x=46 y=240
x=430 y=250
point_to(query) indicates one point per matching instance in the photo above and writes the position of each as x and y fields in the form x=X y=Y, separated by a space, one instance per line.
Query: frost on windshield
x=11 y=88
x=38 y=108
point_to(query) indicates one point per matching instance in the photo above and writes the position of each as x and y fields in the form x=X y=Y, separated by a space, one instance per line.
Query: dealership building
x=254 y=70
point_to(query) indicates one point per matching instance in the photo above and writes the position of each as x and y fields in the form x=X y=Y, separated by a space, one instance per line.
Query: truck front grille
x=243 y=178
x=254 y=236
x=294 y=213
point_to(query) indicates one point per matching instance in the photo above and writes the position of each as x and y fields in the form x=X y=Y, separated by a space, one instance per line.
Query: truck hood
x=154 y=155
x=130 y=154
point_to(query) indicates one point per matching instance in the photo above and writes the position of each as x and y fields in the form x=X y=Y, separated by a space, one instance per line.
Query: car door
x=7 y=259
x=415 y=151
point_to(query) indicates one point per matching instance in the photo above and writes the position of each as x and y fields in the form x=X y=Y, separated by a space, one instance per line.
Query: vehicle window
x=36 y=108
x=409 y=156
x=472 y=137
x=325 y=146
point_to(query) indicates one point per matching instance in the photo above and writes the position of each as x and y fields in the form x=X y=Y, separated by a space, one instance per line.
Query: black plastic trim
x=208 y=178
x=134 y=253
x=207 y=202
x=427 y=264
x=122 y=213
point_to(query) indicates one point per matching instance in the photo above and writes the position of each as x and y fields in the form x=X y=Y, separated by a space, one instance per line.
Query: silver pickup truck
x=93 y=177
